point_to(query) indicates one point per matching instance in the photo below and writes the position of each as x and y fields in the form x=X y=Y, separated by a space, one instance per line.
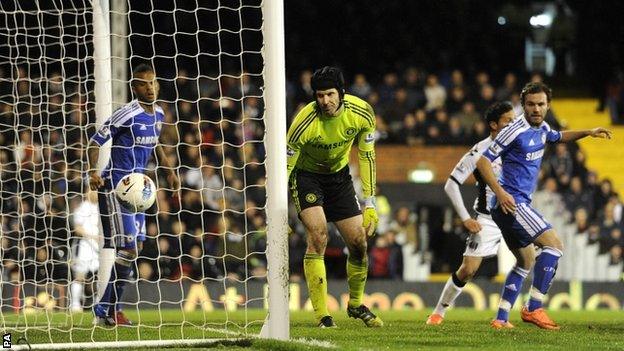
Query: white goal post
x=72 y=59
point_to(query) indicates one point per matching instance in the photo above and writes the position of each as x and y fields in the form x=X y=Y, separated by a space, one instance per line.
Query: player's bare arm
x=572 y=135
x=165 y=162
x=505 y=200
x=93 y=154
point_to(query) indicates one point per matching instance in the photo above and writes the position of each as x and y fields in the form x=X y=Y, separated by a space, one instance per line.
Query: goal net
x=204 y=273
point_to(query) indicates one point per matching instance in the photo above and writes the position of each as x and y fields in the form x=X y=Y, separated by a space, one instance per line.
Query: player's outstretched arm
x=506 y=201
x=454 y=194
x=572 y=135
x=165 y=162
x=93 y=154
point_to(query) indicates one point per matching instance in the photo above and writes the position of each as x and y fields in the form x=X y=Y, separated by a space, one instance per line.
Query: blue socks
x=114 y=289
x=543 y=274
x=511 y=290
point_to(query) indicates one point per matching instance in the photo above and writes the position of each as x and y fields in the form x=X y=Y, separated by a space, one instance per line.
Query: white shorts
x=486 y=242
x=85 y=257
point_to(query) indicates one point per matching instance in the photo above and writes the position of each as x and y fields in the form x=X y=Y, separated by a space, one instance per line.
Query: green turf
x=464 y=329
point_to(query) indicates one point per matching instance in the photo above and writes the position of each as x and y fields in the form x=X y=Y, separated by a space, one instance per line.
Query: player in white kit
x=485 y=237
x=86 y=220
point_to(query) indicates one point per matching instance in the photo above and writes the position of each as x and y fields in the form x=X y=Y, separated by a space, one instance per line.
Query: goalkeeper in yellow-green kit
x=319 y=144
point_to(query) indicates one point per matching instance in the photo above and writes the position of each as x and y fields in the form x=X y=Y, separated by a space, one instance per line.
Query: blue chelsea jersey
x=521 y=148
x=134 y=133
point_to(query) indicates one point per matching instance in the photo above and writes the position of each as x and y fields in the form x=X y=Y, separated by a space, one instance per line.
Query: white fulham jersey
x=468 y=165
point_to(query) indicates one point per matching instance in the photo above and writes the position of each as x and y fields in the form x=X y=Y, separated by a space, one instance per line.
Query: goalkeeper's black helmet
x=328 y=77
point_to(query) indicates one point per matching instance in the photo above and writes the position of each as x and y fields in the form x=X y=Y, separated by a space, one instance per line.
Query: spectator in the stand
x=612 y=239
x=593 y=234
x=607 y=219
x=478 y=132
x=510 y=86
x=386 y=258
x=404 y=225
x=413 y=85
x=435 y=93
x=468 y=116
x=386 y=89
x=456 y=133
x=602 y=195
x=397 y=110
x=456 y=100
x=457 y=80
x=581 y=220
x=303 y=90
x=561 y=165
x=482 y=78
x=486 y=98
x=577 y=197
x=615 y=255
x=578 y=168
x=409 y=133
x=360 y=87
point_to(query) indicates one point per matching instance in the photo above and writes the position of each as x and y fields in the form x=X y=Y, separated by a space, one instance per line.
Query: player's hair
x=328 y=77
x=496 y=110
x=141 y=68
x=534 y=88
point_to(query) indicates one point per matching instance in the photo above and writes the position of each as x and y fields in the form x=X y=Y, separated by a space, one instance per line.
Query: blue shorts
x=522 y=227
x=122 y=229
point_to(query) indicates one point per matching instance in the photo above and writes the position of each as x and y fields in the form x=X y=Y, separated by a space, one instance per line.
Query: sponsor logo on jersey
x=531 y=156
x=531 y=143
x=146 y=140
x=142 y=126
x=331 y=146
x=370 y=137
x=311 y=198
x=350 y=131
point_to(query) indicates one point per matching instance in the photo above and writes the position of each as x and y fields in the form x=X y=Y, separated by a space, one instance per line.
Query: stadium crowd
x=214 y=128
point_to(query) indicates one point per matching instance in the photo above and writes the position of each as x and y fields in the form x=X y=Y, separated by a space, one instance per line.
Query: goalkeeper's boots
x=102 y=317
x=121 y=319
x=362 y=312
x=327 y=322
x=435 y=319
x=539 y=318
x=498 y=324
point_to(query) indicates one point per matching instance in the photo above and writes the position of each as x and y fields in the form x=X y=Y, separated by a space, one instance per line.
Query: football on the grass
x=136 y=192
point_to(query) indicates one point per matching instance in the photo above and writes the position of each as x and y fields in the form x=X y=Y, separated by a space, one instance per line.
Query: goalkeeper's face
x=328 y=100
x=145 y=87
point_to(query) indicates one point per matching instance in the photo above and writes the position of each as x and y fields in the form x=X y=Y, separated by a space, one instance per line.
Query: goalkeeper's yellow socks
x=357 y=272
x=314 y=270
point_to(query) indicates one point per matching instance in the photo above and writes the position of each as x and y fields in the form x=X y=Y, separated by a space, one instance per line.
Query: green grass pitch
x=464 y=329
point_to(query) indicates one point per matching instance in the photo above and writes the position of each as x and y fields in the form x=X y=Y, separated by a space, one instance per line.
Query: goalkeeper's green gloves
x=370 y=216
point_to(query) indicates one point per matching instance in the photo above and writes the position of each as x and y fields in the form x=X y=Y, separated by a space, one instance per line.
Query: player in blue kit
x=135 y=130
x=521 y=148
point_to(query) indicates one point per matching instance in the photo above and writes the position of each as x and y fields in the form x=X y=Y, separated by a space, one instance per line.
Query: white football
x=136 y=192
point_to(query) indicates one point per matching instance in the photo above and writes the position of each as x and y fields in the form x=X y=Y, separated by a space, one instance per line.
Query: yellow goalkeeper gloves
x=370 y=217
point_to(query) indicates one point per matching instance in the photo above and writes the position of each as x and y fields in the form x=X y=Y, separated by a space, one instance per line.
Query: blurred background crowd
x=216 y=226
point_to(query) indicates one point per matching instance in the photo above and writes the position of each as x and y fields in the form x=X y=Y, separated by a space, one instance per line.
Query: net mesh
x=202 y=270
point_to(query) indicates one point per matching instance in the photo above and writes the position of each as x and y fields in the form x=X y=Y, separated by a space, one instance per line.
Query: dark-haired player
x=485 y=237
x=134 y=130
x=521 y=148
x=319 y=143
